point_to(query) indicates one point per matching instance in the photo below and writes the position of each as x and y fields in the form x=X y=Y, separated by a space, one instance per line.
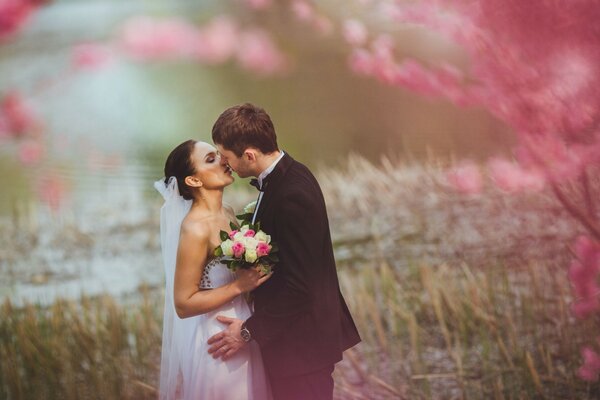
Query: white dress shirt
x=260 y=179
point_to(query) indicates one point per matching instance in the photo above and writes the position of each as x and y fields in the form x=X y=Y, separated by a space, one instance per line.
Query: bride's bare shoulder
x=195 y=227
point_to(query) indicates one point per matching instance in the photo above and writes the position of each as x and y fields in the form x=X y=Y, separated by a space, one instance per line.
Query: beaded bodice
x=215 y=274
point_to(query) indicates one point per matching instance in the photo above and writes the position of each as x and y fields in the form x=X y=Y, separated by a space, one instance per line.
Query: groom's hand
x=226 y=343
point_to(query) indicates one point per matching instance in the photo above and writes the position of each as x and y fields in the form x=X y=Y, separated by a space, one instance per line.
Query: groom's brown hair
x=243 y=126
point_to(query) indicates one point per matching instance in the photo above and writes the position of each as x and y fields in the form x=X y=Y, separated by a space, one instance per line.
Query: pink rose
x=249 y=233
x=238 y=249
x=262 y=249
x=232 y=234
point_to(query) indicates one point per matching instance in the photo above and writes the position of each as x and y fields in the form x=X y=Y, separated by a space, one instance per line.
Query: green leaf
x=224 y=235
x=273 y=258
x=233 y=226
x=274 y=248
x=230 y=264
x=218 y=251
x=244 y=217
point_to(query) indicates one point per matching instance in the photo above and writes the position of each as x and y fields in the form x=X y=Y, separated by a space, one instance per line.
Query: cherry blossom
x=590 y=369
x=17 y=114
x=14 y=14
x=91 y=56
x=257 y=53
x=511 y=177
x=355 y=32
x=466 y=178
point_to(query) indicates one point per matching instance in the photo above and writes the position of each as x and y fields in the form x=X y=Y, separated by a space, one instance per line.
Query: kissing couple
x=217 y=343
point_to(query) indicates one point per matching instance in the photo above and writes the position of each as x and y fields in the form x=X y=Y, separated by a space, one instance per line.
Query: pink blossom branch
x=588 y=193
x=575 y=212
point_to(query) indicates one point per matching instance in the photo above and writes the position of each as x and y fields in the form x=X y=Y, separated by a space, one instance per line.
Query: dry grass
x=89 y=349
x=442 y=333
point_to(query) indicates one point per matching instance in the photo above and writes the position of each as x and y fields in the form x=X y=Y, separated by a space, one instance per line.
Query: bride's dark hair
x=179 y=164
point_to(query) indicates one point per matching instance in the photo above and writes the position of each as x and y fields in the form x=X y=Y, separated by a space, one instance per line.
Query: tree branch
x=587 y=193
x=575 y=212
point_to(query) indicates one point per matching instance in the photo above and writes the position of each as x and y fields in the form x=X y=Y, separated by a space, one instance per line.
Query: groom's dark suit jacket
x=300 y=320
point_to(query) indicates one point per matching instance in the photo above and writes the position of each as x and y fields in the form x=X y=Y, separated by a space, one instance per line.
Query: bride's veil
x=175 y=330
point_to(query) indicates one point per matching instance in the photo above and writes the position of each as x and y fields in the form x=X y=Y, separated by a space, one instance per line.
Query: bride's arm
x=191 y=257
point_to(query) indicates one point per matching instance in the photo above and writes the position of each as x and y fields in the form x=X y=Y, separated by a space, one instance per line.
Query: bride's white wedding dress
x=240 y=377
x=187 y=371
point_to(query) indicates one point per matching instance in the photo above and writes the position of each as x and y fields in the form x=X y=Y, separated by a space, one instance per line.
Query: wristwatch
x=246 y=336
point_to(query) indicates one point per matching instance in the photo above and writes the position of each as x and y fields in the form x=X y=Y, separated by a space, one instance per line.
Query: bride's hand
x=251 y=278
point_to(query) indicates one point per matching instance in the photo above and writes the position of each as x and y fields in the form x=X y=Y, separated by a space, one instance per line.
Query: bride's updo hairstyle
x=179 y=164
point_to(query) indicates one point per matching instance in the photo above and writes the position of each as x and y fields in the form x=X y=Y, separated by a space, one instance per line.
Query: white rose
x=250 y=207
x=239 y=236
x=250 y=243
x=226 y=247
x=250 y=255
x=262 y=237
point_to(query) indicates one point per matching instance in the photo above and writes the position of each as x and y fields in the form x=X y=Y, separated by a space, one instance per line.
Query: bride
x=199 y=286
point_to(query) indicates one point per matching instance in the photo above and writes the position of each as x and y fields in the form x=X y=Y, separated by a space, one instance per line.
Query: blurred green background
x=138 y=112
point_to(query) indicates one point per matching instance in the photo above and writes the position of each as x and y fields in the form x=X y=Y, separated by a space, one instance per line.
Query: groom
x=300 y=321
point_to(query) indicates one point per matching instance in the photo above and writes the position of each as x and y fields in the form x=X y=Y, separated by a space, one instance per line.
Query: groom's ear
x=250 y=154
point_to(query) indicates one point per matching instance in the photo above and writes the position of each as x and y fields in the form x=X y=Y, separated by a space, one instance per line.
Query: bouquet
x=247 y=246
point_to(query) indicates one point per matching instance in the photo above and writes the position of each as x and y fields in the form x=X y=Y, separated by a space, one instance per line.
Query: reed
x=93 y=348
x=430 y=333
x=463 y=333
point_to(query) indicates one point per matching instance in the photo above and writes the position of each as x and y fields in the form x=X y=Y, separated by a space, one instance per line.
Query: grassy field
x=455 y=298
x=427 y=333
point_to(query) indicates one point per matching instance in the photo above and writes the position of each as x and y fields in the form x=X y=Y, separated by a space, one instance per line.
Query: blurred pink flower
x=4 y=127
x=583 y=274
x=511 y=177
x=91 y=56
x=146 y=38
x=249 y=233
x=466 y=178
x=257 y=53
x=18 y=115
x=14 y=14
x=414 y=76
x=52 y=190
x=552 y=154
x=232 y=234
x=355 y=32
x=361 y=62
x=31 y=152
x=303 y=10
x=384 y=66
x=258 y=4
x=591 y=365
x=217 y=41
x=323 y=25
